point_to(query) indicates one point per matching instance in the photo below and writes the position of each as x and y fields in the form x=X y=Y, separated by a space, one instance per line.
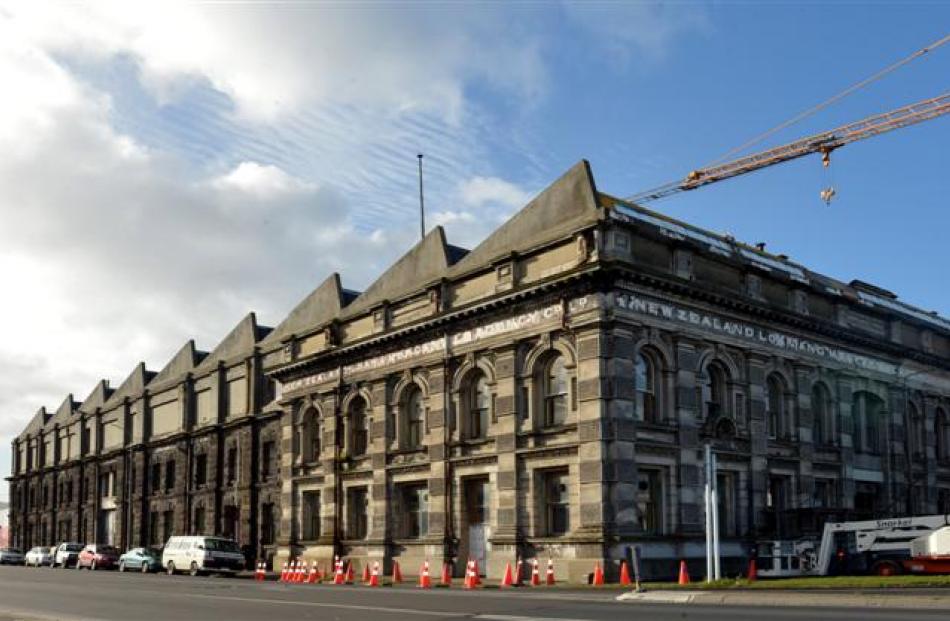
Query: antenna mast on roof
x=422 y=205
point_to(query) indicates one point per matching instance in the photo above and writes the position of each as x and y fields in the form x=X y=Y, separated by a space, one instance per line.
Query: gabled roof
x=187 y=358
x=98 y=397
x=133 y=386
x=322 y=305
x=64 y=413
x=240 y=340
x=425 y=262
x=565 y=206
x=36 y=423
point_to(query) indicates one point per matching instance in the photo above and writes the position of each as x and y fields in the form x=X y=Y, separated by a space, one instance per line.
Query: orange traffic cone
x=397 y=573
x=365 y=578
x=283 y=572
x=535 y=573
x=598 y=575
x=518 y=576
x=292 y=571
x=314 y=573
x=549 y=578
x=625 y=574
x=338 y=571
x=753 y=571
x=507 y=580
x=446 y=579
x=425 y=582
x=350 y=578
x=684 y=575
x=469 y=575
x=374 y=575
x=302 y=575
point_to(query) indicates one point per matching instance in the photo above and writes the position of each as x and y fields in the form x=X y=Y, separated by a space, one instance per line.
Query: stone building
x=546 y=394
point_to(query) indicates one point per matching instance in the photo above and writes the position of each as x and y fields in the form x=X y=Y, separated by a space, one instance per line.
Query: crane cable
x=880 y=74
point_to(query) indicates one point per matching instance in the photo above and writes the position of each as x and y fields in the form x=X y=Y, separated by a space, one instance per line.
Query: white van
x=200 y=554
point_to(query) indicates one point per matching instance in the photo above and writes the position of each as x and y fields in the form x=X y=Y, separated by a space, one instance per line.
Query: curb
x=810 y=600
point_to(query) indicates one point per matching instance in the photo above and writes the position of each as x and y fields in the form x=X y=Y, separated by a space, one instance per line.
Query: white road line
x=491 y=617
x=402 y=611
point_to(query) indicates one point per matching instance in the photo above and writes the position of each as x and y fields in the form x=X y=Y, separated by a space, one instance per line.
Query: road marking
x=517 y=618
x=402 y=611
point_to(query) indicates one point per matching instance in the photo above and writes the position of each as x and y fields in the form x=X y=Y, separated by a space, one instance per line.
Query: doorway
x=477 y=501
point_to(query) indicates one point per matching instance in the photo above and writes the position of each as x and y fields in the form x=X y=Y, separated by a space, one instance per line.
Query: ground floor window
x=650 y=501
x=728 y=503
x=268 y=524
x=199 y=526
x=168 y=521
x=415 y=502
x=356 y=509
x=824 y=494
x=310 y=516
x=152 y=528
x=557 y=508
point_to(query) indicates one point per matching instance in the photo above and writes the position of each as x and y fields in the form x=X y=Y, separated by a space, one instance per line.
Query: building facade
x=547 y=394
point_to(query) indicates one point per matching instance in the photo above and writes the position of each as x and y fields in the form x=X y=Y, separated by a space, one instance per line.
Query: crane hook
x=827 y=194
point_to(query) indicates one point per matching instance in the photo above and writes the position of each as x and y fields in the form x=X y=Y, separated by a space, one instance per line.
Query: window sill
x=551 y=430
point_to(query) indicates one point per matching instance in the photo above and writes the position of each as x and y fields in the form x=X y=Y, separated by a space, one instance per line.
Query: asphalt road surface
x=29 y=593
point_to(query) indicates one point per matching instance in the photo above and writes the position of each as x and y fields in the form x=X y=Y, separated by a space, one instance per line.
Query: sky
x=168 y=167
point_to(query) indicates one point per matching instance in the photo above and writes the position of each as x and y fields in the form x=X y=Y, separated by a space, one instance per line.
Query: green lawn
x=812 y=582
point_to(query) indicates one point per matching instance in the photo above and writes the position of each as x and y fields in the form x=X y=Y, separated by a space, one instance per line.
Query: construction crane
x=823 y=143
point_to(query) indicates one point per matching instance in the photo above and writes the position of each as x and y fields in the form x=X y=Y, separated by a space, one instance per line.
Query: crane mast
x=823 y=143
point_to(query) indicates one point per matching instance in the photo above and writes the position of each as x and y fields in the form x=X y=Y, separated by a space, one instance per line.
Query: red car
x=98 y=556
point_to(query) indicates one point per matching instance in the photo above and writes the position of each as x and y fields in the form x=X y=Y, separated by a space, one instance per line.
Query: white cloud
x=480 y=191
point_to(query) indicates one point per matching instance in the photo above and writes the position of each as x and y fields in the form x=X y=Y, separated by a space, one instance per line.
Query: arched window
x=414 y=416
x=867 y=411
x=555 y=392
x=822 y=414
x=716 y=390
x=943 y=434
x=645 y=385
x=775 y=401
x=478 y=407
x=359 y=436
x=310 y=436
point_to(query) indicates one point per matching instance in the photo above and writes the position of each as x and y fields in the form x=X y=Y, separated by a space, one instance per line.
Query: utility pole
x=711 y=497
x=422 y=210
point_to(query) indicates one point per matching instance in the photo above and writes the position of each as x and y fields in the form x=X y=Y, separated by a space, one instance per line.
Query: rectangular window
x=267 y=454
x=650 y=501
x=232 y=465
x=310 y=516
x=169 y=475
x=357 y=509
x=824 y=496
x=268 y=524
x=168 y=522
x=727 y=503
x=201 y=470
x=156 y=481
x=415 y=501
x=199 y=526
x=557 y=503
x=153 y=528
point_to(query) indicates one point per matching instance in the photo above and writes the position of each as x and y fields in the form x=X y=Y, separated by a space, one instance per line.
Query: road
x=27 y=593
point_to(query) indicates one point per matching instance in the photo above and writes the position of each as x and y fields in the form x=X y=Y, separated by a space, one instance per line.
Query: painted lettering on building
x=749 y=332
x=551 y=314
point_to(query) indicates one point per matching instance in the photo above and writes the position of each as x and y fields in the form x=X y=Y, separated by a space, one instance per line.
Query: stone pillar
x=379 y=492
x=899 y=489
x=806 y=439
x=931 y=402
x=689 y=412
x=845 y=390
x=435 y=440
x=505 y=538
x=758 y=433
x=593 y=475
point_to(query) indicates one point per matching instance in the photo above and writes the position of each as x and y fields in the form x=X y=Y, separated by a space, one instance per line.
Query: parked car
x=199 y=554
x=37 y=556
x=10 y=556
x=141 y=559
x=66 y=554
x=98 y=556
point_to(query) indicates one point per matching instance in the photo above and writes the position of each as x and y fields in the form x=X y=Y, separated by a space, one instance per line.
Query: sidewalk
x=910 y=598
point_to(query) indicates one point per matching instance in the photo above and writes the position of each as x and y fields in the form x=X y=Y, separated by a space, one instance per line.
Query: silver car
x=38 y=556
x=10 y=556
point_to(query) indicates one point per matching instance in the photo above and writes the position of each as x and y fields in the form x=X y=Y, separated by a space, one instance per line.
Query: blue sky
x=169 y=167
